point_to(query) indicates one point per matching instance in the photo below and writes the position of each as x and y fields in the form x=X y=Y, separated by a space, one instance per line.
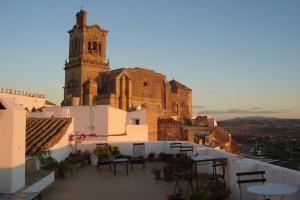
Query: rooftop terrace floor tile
x=89 y=184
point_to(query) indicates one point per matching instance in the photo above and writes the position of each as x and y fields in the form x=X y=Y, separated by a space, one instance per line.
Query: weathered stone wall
x=128 y=88
x=170 y=129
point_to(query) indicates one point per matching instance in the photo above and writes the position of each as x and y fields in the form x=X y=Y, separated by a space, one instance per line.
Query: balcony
x=89 y=183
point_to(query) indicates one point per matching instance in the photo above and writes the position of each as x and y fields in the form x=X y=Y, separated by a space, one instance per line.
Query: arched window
x=99 y=48
x=95 y=46
x=89 y=46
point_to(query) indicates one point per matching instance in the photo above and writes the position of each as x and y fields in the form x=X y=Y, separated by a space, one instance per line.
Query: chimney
x=81 y=18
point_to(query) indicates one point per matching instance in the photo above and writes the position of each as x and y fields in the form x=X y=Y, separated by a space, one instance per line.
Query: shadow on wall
x=12 y=179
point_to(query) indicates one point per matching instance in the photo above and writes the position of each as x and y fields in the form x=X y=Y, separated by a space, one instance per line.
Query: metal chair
x=175 y=145
x=186 y=149
x=138 y=155
x=183 y=171
x=106 y=160
x=219 y=175
x=262 y=179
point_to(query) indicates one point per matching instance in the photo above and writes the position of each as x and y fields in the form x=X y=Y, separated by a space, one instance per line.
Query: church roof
x=177 y=85
x=129 y=70
x=44 y=133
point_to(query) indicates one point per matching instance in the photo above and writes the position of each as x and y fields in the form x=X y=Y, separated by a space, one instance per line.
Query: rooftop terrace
x=89 y=183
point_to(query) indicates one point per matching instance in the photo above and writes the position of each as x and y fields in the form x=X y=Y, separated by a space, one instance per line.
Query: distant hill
x=261 y=126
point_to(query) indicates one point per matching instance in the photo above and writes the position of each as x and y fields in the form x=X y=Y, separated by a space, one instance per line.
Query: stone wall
x=170 y=129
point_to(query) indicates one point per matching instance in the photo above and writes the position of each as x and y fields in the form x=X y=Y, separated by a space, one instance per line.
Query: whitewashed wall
x=25 y=101
x=111 y=123
x=62 y=150
x=140 y=114
x=12 y=146
x=116 y=121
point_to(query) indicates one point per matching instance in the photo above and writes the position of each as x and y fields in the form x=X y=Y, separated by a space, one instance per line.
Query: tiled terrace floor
x=89 y=184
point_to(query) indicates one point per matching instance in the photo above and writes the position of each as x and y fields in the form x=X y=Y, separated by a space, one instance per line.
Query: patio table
x=272 y=189
x=207 y=159
x=121 y=161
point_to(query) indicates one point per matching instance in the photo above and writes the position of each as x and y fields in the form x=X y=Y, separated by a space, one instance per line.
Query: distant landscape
x=272 y=140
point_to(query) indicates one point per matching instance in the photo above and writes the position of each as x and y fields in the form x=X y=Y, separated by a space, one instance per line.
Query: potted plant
x=103 y=153
x=47 y=162
x=74 y=163
x=211 y=191
x=65 y=169
x=151 y=157
x=86 y=157
x=156 y=172
x=168 y=172
x=94 y=159
x=114 y=150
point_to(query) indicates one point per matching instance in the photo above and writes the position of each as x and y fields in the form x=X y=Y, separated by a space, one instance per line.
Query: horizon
x=239 y=58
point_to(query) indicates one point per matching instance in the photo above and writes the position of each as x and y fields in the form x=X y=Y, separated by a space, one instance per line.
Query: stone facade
x=88 y=77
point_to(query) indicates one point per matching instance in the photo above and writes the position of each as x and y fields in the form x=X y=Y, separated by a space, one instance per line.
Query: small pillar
x=12 y=145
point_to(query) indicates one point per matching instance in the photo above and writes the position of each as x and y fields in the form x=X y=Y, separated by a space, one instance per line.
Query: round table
x=272 y=189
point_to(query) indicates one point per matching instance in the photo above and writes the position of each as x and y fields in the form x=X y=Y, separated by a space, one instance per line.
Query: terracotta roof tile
x=44 y=133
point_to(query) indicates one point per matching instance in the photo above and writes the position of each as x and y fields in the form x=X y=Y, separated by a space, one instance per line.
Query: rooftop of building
x=89 y=182
x=44 y=133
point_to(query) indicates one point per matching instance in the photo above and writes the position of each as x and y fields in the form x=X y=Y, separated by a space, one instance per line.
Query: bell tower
x=87 y=58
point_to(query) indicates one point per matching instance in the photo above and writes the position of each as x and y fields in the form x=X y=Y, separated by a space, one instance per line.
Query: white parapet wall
x=25 y=99
x=12 y=145
x=108 y=123
x=42 y=184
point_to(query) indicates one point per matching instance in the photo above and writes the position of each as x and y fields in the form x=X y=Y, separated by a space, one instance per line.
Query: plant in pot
x=86 y=157
x=65 y=169
x=114 y=150
x=212 y=191
x=94 y=156
x=168 y=172
x=74 y=163
x=151 y=157
x=156 y=172
x=47 y=161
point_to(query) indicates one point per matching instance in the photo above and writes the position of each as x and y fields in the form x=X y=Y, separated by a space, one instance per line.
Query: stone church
x=90 y=81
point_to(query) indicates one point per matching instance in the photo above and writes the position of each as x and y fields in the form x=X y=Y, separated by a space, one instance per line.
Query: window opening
x=135 y=121
x=94 y=46
x=89 y=46
x=2 y=107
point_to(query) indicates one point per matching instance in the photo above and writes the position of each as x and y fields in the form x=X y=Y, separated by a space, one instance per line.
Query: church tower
x=87 y=58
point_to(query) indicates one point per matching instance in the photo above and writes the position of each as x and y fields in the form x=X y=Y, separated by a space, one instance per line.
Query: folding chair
x=255 y=180
x=138 y=154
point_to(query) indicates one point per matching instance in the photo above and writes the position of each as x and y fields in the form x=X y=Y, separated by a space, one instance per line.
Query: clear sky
x=240 y=57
